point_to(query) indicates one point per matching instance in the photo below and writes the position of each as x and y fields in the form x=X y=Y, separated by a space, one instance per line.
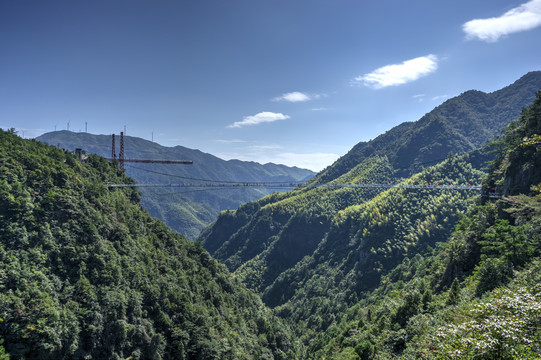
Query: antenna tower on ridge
x=122 y=160
x=113 y=151
x=121 y=153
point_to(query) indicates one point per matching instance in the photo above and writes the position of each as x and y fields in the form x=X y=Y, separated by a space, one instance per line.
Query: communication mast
x=113 y=152
x=121 y=153
x=122 y=160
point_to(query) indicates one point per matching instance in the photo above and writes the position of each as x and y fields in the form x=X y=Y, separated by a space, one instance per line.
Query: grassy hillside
x=183 y=210
x=86 y=273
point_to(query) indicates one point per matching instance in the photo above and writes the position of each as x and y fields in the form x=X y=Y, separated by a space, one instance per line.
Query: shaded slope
x=367 y=240
x=86 y=273
x=336 y=244
x=518 y=165
x=185 y=211
x=281 y=229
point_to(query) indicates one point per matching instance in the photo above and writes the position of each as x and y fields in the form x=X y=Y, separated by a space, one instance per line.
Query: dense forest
x=314 y=253
x=476 y=295
x=86 y=273
x=395 y=278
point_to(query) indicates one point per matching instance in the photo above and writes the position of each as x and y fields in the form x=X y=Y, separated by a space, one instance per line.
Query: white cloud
x=398 y=74
x=419 y=97
x=295 y=96
x=259 y=118
x=233 y=141
x=440 y=97
x=265 y=147
x=320 y=109
x=422 y=97
x=524 y=17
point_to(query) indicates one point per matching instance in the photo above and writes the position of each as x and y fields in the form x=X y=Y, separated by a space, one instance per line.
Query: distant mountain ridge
x=235 y=170
x=189 y=212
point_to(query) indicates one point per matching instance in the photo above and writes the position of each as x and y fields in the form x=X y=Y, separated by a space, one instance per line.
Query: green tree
x=365 y=349
x=3 y=355
x=507 y=241
x=492 y=273
x=454 y=293
x=85 y=272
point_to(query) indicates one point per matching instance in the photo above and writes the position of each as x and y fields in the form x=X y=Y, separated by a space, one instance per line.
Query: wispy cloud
x=524 y=17
x=320 y=109
x=419 y=97
x=440 y=97
x=259 y=118
x=232 y=141
x=294 y=96
x=398 y=74
x=422 y=97
x=265 y=147
x=297 y=96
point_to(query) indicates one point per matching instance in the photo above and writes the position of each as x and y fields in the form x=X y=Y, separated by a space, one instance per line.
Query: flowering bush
x=508 y=326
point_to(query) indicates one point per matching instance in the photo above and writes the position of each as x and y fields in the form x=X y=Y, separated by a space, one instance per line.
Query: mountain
x=312 y=252
x=85 y=272
x=348 y=237
x=459 y=125
x=184 y=210
x=477 y=294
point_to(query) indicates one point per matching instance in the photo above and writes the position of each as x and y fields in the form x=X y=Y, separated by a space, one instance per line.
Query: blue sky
x=297 y=82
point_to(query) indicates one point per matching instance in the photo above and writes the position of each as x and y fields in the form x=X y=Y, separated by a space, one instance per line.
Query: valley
x=185 y=211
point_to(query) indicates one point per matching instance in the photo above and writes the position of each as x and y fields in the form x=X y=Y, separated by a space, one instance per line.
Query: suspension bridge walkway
x=291 y=185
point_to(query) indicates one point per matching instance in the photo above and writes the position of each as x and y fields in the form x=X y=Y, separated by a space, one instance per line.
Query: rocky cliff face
x=521 y=180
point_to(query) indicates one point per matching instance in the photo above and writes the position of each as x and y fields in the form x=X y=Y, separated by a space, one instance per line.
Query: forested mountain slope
x=367 y=240
x=263 y=239
x=86 y=273
x=185 y=211
x=476 y=295
x=459 y=125
x=363 y=242
x=313 y=252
